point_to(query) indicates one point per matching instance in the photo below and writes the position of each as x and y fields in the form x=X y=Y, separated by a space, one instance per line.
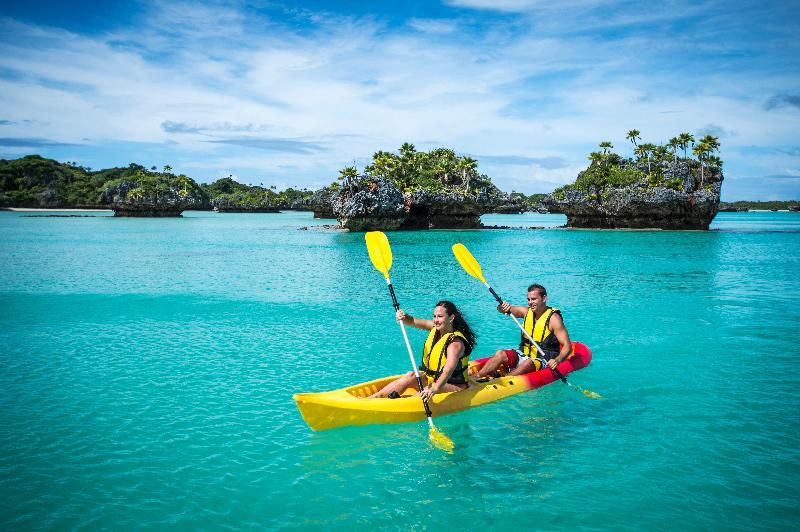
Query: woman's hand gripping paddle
x=381 y=256
x=471 y=266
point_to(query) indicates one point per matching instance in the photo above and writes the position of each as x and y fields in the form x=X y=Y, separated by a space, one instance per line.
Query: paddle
x=471 y=266
x=381 y=256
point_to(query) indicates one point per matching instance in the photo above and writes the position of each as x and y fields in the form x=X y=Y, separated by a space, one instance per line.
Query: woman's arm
x=410 y=320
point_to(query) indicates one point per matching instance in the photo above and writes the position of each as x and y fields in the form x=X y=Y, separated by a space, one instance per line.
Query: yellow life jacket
x=434 y=356
x=541 y=333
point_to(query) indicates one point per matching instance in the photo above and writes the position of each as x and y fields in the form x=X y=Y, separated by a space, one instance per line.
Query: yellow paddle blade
x=468 y=262
x=441 y=441
x=592 y=395
x=379 y=251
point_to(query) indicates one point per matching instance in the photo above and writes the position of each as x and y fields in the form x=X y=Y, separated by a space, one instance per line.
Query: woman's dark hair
x=459 y=323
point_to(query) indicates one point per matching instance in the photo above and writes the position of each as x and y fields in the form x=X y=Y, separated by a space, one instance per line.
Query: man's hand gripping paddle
x=471 y=266
x=381 y=256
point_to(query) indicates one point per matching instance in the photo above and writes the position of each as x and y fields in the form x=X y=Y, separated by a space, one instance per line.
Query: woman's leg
x=452 y=388
x=409 y=380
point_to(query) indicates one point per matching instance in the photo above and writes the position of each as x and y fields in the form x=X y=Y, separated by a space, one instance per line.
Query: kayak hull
x=347 y=406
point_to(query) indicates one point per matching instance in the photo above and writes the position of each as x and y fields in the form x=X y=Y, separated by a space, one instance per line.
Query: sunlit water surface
x=148 y=368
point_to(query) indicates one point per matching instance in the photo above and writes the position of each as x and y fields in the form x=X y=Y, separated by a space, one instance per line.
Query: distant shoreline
x=37 y=209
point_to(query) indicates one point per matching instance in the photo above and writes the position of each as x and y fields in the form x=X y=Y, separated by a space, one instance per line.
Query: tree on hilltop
x=684 y=141
x=644 y=151
x=705 y=148
x=633 y=134
x=674 y=144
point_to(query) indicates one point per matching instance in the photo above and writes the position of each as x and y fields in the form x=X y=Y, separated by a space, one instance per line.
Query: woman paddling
x=445 y=356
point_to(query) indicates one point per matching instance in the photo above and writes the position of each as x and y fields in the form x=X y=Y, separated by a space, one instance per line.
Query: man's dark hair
x=540 y=288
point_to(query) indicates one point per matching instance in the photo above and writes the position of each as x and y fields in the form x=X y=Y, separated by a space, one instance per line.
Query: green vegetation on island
x=649 y=165
x=226 y=194
x=409 y=170
x=658 y=187
x=414 y=189
x=35 y=181
x=759 y=205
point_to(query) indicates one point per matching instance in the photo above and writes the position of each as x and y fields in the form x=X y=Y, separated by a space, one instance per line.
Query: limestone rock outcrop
x=369 y=205
x=129 y=198
x=375 y=203
x=321 y=203
x=689 y=202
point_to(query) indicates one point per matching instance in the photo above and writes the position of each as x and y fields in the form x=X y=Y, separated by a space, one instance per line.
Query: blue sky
x=288 y=93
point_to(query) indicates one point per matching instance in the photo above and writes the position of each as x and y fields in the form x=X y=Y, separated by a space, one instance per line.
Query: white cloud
x=520 y=5
x=347 y=87
x=427 y=25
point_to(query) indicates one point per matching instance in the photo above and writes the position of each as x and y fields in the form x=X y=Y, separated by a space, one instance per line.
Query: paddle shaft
x=528 y=336
x=428 y=412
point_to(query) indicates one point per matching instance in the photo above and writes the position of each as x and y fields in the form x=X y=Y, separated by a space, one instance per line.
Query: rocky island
x=657 y=188
x=228 y=195
x=415 y=190
x=133 y=190
x=153 y=194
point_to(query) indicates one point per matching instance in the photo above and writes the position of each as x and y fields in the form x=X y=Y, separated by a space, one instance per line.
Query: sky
x=288 y=93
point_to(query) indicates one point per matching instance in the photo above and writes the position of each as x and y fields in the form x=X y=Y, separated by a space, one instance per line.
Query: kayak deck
x=349 y=406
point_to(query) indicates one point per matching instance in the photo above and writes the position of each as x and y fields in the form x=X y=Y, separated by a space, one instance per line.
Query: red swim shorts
x=512 y=358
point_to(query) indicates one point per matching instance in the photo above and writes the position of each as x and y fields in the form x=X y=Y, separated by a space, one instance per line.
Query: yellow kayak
x=348 y=406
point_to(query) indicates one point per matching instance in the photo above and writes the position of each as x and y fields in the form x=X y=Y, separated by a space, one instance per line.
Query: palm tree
x=348 y=172
x=167 y=168
x=686 y=140
x=383 y=163
x=183 y=182
x=606 y=145
x=640 y=152
x=711 y=142
x=701 y=150
x=649 y=149
x=444 y=162
x=467 y=165
x=347 y=175
x=674 y=143
x=408 y=159
x=407 y=150
x=633 y=134
x=643 y=151
x=596 y=157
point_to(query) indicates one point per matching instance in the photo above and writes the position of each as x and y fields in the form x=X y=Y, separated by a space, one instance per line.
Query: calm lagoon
x=148 y=367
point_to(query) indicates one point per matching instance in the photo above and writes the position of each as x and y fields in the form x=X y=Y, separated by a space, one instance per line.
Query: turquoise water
x=148 y=368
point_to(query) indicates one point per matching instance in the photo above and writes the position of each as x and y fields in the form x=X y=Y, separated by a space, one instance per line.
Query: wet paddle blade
x=441 y=441
x=592 y=395
x=379 y=251
x=468 y=262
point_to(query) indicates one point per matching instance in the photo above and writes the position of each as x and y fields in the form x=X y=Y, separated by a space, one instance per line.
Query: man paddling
x=545 y=325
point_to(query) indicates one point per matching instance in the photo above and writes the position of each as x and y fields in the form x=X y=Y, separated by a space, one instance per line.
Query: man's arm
x=560 y=330
x=515 y=310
